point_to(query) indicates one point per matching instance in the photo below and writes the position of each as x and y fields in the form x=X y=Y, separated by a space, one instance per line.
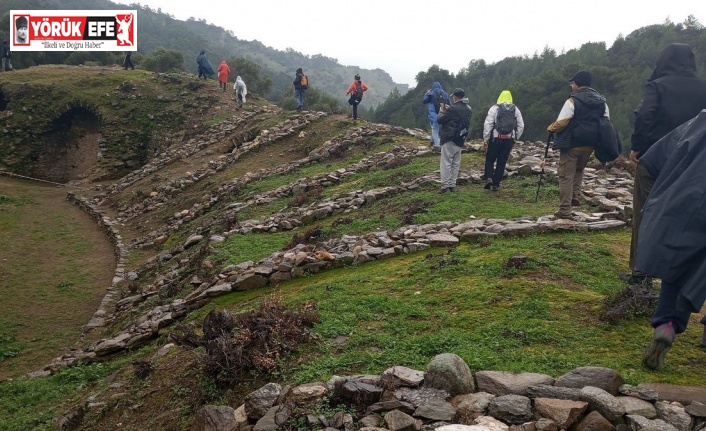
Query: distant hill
x=539 y=83
x=158 y=29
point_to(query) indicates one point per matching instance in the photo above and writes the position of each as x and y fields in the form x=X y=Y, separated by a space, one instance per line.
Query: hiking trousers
x=667 y=308
x=641 y=190
x=496 y=159
x=572 y=162
x=449 y=164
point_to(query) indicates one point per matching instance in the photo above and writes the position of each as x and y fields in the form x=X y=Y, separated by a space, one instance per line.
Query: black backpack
x=438 y=101
x=461 y=132
x=608 y=147
x=358 y=91
x=505 y=121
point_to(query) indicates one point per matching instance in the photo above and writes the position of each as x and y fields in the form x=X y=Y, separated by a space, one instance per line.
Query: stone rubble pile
x=448 y=396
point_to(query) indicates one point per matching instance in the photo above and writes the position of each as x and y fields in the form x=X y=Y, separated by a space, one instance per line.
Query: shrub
x=163 y=60
x=250 y=342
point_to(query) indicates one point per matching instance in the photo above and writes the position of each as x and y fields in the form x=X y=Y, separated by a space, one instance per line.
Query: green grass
x=540 y=318
x=33 y=404
x=39 y=278
x=216 y=120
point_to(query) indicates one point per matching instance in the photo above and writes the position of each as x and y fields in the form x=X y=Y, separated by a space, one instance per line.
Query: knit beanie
x=582 y=78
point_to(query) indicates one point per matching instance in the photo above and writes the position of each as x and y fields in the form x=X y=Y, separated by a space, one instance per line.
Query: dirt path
x=55 y=265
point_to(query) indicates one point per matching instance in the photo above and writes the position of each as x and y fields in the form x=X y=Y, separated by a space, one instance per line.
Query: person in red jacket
x=223 y=72
x=356 y=90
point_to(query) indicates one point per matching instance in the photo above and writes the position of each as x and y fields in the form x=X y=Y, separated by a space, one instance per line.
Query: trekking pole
x=541 y=174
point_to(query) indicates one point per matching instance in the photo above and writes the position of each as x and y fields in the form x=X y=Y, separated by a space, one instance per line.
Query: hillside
x=158 y=29
x=539 y=82
x=207 y=207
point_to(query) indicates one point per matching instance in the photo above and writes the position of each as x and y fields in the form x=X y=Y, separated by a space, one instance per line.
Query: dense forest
x=539 y=84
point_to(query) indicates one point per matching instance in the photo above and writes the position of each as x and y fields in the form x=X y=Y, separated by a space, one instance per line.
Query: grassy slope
x=54 y=268
x=399 y=311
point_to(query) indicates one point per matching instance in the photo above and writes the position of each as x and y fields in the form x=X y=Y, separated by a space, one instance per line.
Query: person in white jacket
x=240 y=91
x=502 y=126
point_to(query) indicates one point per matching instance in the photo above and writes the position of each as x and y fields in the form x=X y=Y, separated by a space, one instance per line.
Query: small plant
x=306 y=197
x=8 y=347
x=215 y=120
x=64 y=285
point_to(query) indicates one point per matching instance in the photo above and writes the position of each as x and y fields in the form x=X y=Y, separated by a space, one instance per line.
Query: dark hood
x=675 y=59
x=589 y=97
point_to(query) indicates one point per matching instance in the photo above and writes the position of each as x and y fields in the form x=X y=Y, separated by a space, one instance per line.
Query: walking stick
x=541 y=174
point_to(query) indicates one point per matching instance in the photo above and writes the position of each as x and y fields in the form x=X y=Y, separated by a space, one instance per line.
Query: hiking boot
x=488 y=184
x=662 y=340
x=494 y=188
x=452 y=189
x=575 y=202
x=561 y=215
x=436 y=150
x=637 y=280
x=445 y=190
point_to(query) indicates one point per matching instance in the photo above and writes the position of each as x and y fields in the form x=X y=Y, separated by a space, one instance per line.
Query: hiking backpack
x=438 y=101
x=505 y=121
x=304 y=82
x=608 y=147
x=461 y=131
x=358 y=91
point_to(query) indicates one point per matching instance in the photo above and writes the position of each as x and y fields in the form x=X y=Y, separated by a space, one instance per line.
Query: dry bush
x=305 y=238
x=412 y=209
x=632 y=301
x=342 y=221
x=310 y=195
x=229 y=220
x=253 y=341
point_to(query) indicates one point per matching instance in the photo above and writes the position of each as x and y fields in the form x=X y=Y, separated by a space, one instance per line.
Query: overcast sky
x=406 y=37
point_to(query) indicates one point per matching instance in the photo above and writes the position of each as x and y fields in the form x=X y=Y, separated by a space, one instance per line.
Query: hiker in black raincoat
x=673 y=95
x=204 y=66
x=672 y=240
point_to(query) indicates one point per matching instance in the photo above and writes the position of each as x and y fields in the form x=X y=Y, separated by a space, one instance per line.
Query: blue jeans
x=299 y=97
x=435 y=133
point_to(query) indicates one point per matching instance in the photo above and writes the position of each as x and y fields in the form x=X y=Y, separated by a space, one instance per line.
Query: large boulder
x=449 y=372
